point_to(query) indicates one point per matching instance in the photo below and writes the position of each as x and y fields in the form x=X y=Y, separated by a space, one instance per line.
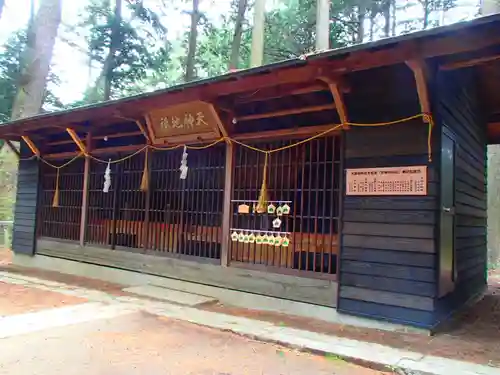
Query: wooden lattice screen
x=62 y=222
x=307 y=178
x=186 y=215
x=180 y=218
x=100 y=208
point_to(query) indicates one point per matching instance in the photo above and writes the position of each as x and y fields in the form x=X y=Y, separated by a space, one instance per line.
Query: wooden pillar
x=85 y=197
x=226 y=210
x=147 y=204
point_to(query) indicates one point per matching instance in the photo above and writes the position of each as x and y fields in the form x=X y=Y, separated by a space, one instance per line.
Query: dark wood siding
x=458 y=109
x=389 y=250
x=23 y=240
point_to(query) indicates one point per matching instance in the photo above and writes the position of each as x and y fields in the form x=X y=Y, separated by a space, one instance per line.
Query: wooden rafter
x=77 y=140
x=337 y=87
x=287 y=112
x=420 y=72
x=279 y=92
x=467 y=63
x=117 y=135
x=143 y=129
x=284 y=133
x=31 y=145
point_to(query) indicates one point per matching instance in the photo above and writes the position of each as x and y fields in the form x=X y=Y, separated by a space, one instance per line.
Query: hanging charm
x=241 y=237
x=246 y=238
x=107 y=178
x=285 y=209
x=279 y=211
x=276 y=223
x=285 y=242
x=278 y=240
x=184 y=168
x=265 y=239
x=243 y=209
x=251 y=238
x=234 y=237
x=271 y=209
x=258 y=239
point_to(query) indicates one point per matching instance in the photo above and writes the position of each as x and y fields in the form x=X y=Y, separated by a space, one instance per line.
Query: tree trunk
x=36 y=60
x=373 y=15
x=322 y=25
x=193 y=37
x=361 y=24
x=238 y=28
x=427 y=13
x=386 y=10
x=114 y=45
x=257 y=54
x=393 y=17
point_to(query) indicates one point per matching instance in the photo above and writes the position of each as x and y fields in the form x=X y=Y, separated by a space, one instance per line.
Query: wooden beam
x=13 y=148
x=117 y=135
x=99 y=151
x=337 y=87
x=466 y=63
x=227 y=209
x=286 y=112
x=143 y=130
x=31 y=145
x=85 y=193
x=79 y=128
x=77 y=140
x=420 y=72
x=219 y=125
x=296 y=132
x=280 y=92
x=339 y=103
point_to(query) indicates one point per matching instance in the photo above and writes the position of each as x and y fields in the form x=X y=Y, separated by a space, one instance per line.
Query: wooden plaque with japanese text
x=184 y=122
x=387 y=181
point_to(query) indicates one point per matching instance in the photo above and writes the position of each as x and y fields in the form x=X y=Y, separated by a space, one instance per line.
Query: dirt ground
x=475 y=336
x=16 y=299
x=141 y=343
x=136 y=342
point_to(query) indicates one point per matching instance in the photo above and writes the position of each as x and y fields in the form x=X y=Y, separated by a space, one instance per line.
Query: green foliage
x=10 y=74
x=137 y=53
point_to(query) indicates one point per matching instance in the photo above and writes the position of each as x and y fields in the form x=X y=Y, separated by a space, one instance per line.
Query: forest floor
x=473 y=336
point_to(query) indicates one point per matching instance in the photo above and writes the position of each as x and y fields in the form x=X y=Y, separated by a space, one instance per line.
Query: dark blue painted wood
x=25 y=212
x=388 y=269
x=459 y=110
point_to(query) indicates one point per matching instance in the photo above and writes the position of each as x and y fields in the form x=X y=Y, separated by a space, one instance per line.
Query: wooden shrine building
x=353 y=178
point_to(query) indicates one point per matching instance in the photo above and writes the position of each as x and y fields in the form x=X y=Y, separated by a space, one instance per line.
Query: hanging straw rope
x=55 y=200
x=145 y=172
x=262 y=201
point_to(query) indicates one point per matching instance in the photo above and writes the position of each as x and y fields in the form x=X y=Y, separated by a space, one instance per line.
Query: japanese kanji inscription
x=182 y=120
x=387 y=181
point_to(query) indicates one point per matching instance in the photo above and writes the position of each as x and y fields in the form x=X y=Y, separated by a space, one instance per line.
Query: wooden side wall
x=388 y=257
x=388 y=248
x=24 y=236
x=458 y=109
